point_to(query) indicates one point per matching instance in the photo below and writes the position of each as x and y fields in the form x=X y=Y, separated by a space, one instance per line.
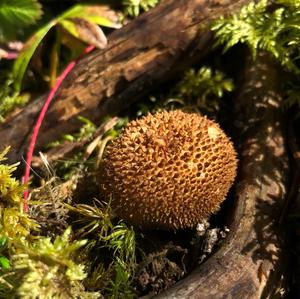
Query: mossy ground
x=78 y=241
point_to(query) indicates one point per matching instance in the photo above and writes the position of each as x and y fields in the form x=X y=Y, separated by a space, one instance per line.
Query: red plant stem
x=40 y=119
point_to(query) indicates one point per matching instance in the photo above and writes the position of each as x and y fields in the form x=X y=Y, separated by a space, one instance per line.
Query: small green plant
x=17 y=14
x=270 y=27
x=85 y=131
x=10 y=99
x=122 y=241
x=4 y=261
x=15 y=225
x=49 y=269
x=10 y=189
x=46 y=269
x=77 y=21
x=261 y=27
x=133 y=7
x=78 y=162
x=97 y=220
x=198 y=90
x=31 y=265
x=203 y=88
x=94 y=218
x=79 y=24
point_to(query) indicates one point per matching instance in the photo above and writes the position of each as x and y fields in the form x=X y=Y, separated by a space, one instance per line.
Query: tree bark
x=147 y=52
x=250 y=264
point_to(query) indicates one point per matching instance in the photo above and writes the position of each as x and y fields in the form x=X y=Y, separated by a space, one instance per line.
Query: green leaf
x=25 y=55
x=15 y=14
x=77 y=11
x=90 y=13
x=102 y=21
x=69 y=137
x=3 y=242
x=4 y=262
x=69 y=26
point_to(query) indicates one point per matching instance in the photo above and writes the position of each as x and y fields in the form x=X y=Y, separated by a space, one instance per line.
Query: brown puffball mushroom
x=170 y=170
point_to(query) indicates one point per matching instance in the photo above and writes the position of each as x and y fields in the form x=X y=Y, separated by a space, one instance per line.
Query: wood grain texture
x=250 y=264
x=140 y=57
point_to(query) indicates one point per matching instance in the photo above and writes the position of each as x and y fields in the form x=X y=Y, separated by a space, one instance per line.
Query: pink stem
x=40 y=119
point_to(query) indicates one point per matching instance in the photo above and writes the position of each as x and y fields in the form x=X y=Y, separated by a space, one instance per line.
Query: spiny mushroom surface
x=170 y=170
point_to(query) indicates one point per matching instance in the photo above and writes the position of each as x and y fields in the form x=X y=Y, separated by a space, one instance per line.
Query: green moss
x=134 y=7
x=203 y=88
x=33 y=265
x=263 y=27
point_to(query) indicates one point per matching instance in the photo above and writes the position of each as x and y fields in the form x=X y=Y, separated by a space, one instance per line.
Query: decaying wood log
x=250 y=262
x=147 y=52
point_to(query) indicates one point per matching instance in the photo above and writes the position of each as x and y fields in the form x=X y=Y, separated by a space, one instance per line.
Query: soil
x=170 y=256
